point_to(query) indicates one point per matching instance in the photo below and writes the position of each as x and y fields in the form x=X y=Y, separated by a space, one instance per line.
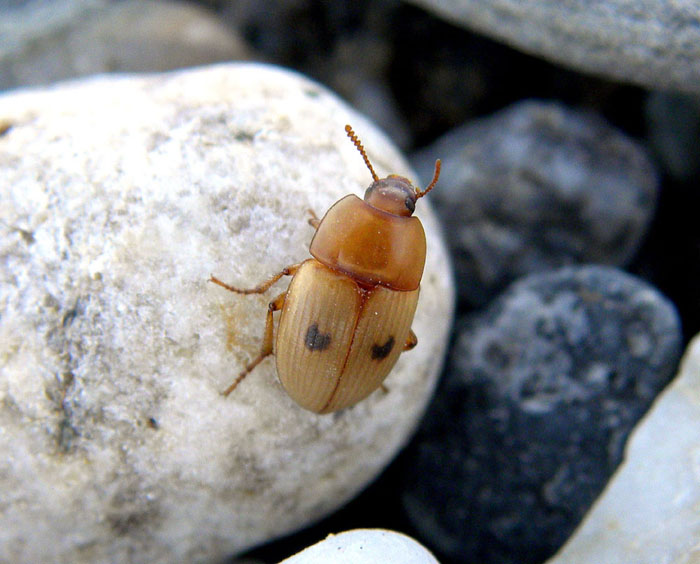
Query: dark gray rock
x=537 y=186
x=542 y=390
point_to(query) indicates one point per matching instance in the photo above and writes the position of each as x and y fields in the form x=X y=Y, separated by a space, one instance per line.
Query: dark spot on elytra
x=380 y=352
x=315 y=340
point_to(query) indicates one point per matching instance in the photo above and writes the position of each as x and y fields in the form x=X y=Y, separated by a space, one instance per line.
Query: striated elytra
x=347 y=313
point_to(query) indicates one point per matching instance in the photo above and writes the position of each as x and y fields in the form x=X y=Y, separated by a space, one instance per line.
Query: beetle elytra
x=347 y=313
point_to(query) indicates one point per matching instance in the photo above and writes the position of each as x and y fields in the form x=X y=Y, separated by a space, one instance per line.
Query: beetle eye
x=410 y=204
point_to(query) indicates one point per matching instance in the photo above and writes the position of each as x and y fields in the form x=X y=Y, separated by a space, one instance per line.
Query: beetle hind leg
x=266 y=349
x=411 y=341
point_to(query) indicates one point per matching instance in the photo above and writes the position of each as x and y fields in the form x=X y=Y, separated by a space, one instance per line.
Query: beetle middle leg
x=268 y=338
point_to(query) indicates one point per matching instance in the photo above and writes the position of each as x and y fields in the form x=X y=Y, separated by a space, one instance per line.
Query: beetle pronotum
x=347 y=313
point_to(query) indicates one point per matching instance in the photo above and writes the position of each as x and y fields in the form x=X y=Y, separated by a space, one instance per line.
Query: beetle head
x=394 y=194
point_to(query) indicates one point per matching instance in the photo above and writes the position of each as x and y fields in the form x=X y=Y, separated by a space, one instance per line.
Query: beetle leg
x=288 y=271
x=266 y=349
x=411 y=341
x=314 y=221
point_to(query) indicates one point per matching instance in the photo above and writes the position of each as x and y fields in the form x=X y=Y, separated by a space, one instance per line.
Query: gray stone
x=119 y=198
x=541 y=392
x=46 y=41
x=649 y=512
x=646 y=42
x=364 y=546
x=537 y=186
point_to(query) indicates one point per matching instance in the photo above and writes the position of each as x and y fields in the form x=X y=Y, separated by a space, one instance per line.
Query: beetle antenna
x=360 y=148
x=421 y=193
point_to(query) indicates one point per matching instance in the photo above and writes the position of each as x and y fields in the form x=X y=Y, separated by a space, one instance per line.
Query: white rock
x=649 y=514
x=119 y=197
x=647 y=42
x=365 y=546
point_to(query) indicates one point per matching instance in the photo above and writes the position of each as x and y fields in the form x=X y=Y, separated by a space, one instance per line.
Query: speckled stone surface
x=120 y=197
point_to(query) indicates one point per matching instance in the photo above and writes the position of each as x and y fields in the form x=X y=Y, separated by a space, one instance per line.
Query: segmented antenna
x=421 y=193
x=360 y=148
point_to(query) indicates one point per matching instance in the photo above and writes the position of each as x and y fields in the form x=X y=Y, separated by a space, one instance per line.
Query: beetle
x=347 y=313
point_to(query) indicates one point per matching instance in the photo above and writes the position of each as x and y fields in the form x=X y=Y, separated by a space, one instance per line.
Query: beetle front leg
x=314 y=221
x=268 y=338
x=411 y=341
x=262 y=288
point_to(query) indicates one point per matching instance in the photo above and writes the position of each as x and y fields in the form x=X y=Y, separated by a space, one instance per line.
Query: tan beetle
x=347 y=313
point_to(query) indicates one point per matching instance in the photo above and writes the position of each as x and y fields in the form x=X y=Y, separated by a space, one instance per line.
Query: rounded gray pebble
x=535 y=187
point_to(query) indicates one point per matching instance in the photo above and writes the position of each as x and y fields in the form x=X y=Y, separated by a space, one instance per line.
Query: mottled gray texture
x=364 y=546
x=44 y=41
x=119 y=198
x=648 y=514
x=651 y=43
x=537 y=186
x=541 y=392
